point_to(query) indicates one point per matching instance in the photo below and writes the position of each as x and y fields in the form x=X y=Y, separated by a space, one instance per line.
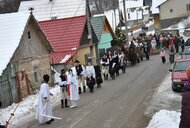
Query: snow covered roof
x=131 y=3
x=12 y=27
x=46 y=9
x=155 y=4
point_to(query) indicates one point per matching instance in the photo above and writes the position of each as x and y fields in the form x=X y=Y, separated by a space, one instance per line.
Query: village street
x=119 y=103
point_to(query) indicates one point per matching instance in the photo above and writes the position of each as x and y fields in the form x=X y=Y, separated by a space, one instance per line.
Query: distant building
x=69 y=39
x=156 y=13
x=172 y=11
x=135 y=13
x=103 y=32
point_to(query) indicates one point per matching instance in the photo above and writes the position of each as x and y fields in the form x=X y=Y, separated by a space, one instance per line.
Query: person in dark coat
x=185 y=109
x=182 y=44
x=98 y=75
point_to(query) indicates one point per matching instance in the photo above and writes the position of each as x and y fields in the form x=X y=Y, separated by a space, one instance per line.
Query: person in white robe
x=44 y=108
x=90 y=76
x=72 y=89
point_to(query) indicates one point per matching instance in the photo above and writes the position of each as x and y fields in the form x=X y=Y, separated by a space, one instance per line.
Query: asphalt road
x=119 y=103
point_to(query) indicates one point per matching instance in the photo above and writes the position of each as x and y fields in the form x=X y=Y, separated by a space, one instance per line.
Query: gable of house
x=13 y=25
x=101 y=25
x=46 y=9
x=24 y=54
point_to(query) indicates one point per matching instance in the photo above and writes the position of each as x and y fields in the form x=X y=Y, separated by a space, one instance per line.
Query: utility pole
x=88 y=15
x=126 y=28
x=119 y=16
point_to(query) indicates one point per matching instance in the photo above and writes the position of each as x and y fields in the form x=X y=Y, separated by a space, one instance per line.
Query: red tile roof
x=64 y=35
x=61 y=57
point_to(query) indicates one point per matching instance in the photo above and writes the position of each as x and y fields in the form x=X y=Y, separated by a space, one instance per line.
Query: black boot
x=106 y=76
x=98 y=85
x=79 y=90
x=62 y=104
x=84 y=88
x=66 y=105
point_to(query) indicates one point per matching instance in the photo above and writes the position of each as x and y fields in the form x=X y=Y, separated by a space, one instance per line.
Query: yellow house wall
x=81 y=54
x=83 y=51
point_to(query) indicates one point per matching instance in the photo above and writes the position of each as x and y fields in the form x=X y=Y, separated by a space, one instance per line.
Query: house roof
x=98 y=25
x=64 y=34
x=12 y=27
x=61 y=57
x=46 y=9
x=155 y=4
x=131 y=3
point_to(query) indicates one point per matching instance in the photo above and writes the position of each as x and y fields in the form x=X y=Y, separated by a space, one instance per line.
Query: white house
x=135 y=12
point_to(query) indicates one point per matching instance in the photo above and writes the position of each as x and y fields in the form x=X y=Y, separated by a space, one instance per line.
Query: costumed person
x=146 y=49
x=111 y=65
x=162 y=55
x=116 y=61
x=98 y=74
x=132 y=53
x=185 y=103
x=79 y=71
x=63 y=88
x=105 y=66
x=44 y=104
x=122 y=61
x=90 y=77
x=72 y=89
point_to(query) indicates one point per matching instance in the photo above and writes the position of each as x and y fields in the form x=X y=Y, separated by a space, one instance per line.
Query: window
x=102 y=52
x=29 y=36
x=36 y=73
x=188 y=7
x=171 y=10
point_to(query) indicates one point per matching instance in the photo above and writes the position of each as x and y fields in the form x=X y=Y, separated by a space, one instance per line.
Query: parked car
x=186 y=53
x=187 y=42
x=178 y=74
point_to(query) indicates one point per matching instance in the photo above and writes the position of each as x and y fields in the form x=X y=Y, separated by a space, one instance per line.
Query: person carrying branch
x=44 y=104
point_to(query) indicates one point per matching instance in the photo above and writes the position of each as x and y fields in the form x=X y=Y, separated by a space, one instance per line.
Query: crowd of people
x=165 y=43
x=79 y=78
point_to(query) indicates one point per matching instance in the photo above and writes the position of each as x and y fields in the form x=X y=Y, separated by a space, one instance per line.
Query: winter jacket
x=185 y=110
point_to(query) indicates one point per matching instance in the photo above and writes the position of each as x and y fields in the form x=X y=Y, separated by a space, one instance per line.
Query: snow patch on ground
x=165 y=119
x=164 y=98
x=26 y=108
x=167 y=105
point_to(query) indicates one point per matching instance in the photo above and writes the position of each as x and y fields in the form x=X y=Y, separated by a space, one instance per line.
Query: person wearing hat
x=185 y=103
x=44 y=102
x=105 y=66
x=63 y=88
x=79 y=71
